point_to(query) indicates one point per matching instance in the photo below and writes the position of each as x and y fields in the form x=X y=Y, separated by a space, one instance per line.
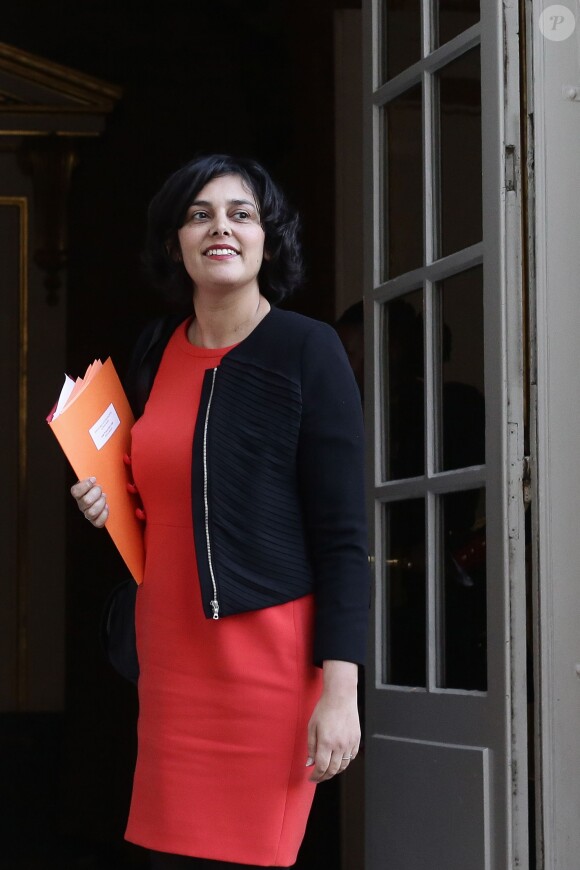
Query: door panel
x=445 y=690
x=457 y=828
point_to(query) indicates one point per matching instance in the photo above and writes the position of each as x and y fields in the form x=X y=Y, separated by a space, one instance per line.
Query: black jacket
x=278 y=476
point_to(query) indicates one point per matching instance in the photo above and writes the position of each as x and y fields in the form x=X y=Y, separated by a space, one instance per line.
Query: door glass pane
x=403 y=387
x=458 y=142
x=405 y=594
x=401 y=29
x=402 y=212
x=454 y=16
x=461 y=404
x=462 y=606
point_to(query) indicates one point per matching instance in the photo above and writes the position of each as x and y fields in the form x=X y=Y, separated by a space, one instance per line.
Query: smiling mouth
x=221 y=252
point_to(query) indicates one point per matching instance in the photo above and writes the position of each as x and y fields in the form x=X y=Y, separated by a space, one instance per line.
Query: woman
x=251 y=629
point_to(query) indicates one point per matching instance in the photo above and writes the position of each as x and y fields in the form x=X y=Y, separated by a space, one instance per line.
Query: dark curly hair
x=279 y=275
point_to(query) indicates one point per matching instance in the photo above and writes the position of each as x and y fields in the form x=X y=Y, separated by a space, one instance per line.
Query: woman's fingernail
x=309 y=762
x=93 y=479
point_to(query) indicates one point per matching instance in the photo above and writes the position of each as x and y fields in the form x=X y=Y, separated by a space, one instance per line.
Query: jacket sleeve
x=331 y=473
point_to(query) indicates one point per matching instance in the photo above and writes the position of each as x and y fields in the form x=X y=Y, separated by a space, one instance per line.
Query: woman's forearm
x=340 y=678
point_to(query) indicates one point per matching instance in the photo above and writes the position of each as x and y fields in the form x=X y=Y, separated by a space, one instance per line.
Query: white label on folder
x=104 y=427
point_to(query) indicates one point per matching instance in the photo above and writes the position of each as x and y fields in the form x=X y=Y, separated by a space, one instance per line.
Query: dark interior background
x=251 y=77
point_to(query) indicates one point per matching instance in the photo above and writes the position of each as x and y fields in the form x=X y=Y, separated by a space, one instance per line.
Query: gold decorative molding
x=44 y=107
x=21 y=203
x=37 y=94
x=59 y=81
x=6 y=145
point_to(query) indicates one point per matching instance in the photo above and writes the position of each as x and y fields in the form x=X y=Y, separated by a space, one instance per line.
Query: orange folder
x=94 y=430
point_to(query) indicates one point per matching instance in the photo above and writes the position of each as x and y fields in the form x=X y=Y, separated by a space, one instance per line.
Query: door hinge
x=527 y=480
x=510 y=167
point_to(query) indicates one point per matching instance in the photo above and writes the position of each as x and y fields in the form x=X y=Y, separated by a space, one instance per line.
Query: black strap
x=146 y=358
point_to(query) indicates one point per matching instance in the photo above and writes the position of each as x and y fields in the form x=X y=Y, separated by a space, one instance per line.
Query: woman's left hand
x=334 y=727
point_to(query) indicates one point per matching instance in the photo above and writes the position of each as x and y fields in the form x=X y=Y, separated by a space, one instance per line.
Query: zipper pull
x=216 y=608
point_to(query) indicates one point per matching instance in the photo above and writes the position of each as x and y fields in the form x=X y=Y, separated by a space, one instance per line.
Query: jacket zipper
x=214 y=602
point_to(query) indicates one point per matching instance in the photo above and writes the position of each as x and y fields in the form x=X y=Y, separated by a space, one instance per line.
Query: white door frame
x=554 y=214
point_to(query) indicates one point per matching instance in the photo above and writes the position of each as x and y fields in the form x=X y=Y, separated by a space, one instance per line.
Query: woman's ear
x=266 y=255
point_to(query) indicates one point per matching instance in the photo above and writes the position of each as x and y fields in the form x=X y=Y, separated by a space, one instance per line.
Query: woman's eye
x=242 y=215
x=198 y=216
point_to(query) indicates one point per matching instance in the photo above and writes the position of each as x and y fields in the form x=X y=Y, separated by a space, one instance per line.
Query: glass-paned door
x=446 y=702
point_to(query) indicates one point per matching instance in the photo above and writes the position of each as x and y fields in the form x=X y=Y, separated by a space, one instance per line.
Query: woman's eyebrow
x=205 y=202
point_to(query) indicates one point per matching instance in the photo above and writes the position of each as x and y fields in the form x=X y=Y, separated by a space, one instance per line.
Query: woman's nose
x=221 y=226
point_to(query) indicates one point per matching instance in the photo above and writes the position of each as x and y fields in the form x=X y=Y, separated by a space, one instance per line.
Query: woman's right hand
x=91 y=501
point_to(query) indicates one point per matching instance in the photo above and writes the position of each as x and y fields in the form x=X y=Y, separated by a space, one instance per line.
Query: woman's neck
x=221 y=323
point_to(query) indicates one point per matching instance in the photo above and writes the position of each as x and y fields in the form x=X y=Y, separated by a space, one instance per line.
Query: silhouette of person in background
x=462 y=444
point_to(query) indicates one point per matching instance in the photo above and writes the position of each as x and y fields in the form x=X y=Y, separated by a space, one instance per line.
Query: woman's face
x=221 y=240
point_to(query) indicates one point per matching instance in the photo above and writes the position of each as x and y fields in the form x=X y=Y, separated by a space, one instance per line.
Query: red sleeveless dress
x=223 y=704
